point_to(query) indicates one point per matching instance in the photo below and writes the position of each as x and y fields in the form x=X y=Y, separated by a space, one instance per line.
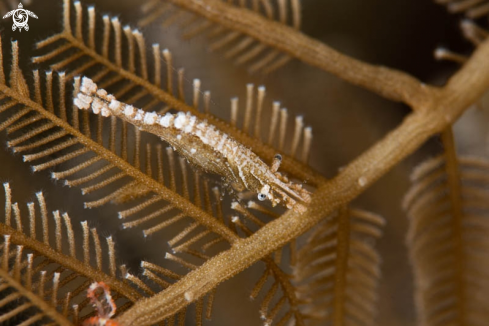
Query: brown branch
x=454 y=184
x=71 y=263
x=438 y=111
x=392 y=84
x=176 y=200
x=39 y=302
x=191 y=210
x=179 y=202
x=289 y=164
x=341 y=268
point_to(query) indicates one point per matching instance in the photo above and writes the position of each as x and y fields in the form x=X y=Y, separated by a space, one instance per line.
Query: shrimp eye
x=278 y=157
x=262 y=197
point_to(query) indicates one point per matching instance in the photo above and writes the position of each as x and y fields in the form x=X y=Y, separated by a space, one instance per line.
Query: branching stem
x=45 y=307
x=73 y=264
x=392 y=84
x=341 y=268
x=434 y=111
x=177 y=200
x=289 y=165
x=456 y=202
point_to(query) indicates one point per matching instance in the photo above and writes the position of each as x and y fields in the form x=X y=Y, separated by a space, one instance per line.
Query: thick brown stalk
x=392 y=84
x=435 y=114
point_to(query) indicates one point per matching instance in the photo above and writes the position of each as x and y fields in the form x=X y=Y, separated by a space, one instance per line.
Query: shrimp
x=104 y=304
x=203 y=145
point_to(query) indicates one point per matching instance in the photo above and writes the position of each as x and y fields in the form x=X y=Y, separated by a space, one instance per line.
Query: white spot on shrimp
x=105 y=112
x=265 y=190
x=193 y=151
x=97 y=105
x=202 y=126
x=192 y=120
x=181 y=120
x=150 y=118
x=129 y=111
x=85 y=98
x=166 y=120
x=102 y=93
x=114 y=105
x=88 y=86
x=139 y=115
x=81 y=104
x=96 y=109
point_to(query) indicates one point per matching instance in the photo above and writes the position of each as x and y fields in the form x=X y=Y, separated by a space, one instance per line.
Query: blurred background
x=346 y=120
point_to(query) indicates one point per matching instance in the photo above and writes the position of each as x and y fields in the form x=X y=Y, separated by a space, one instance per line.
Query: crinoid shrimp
x=103 y=303
x=203 y=145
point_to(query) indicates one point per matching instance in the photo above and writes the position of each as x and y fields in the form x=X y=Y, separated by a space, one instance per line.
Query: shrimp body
x=99 y=321
x=104 y=304
x=204 y=146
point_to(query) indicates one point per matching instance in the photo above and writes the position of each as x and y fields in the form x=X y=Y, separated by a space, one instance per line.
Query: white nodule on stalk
x=189 y=296
x=440 y=53
x=362 y=181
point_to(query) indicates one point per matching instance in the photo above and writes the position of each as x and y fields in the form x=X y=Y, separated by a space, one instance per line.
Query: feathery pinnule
x=203 y=145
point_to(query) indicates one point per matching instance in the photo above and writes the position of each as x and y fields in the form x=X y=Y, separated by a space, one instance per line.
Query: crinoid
x=186 y=195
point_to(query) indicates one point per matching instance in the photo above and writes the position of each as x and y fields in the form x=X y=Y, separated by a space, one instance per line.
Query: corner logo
x=20 y=17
